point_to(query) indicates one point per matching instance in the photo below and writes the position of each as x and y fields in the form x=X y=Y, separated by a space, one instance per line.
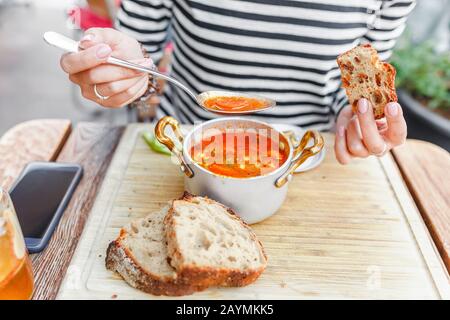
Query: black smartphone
x=40 y=196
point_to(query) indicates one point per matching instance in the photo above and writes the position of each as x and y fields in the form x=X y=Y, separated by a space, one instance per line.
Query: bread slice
x=210 y=246
x=139 y=255
x=365 y=76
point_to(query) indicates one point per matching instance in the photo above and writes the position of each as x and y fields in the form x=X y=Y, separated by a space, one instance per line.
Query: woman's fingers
x=340 y=142
x=123 y=46
x=397 y=130
x=86 y=59
x=113 y=88
x=88 y=68
x=88 y=40
x=355 y=144
x=93 y=36
x=120 y=99
x=108 y=73
x=340 y=146
x=371 y=137
x=362 y=135
x=125 y=97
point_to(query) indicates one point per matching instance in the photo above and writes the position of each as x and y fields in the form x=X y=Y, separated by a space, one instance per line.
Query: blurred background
x=33 y=86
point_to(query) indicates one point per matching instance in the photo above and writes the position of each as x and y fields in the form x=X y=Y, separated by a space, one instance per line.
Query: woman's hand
x=361 y=135
x=119 y=86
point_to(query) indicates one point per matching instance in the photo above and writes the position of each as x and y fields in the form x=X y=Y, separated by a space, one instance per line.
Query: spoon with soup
x=219 y=102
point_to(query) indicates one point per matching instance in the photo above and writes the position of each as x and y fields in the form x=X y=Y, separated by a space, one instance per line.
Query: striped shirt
x=282 y=49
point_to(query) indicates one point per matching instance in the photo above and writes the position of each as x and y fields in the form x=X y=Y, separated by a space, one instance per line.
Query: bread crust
x=119 y=259
x=206 y=276
x=355 y=79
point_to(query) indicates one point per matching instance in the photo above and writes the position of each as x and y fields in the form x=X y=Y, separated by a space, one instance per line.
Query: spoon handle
x=131 y=65
x=70 y=45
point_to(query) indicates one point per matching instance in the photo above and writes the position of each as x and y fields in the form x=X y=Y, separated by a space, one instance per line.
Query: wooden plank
x=343 y=232
x=418 y=229
x=92 y=146
x=426 y=170
x=36 y=140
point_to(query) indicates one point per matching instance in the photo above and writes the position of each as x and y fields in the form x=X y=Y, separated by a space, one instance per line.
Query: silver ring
x=382 y=152
x=98 y=94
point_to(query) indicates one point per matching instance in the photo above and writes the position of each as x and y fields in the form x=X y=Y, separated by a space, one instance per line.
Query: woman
x=283 y=49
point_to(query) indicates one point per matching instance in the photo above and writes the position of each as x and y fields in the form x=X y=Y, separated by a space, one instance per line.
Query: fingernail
x=103 y=51
x=363 y=105
x=393 y=108
x=87 y=37
x=341 y=131
x=147 y=62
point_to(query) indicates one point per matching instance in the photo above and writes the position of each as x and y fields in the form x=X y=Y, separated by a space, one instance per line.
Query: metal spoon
x=67 y=44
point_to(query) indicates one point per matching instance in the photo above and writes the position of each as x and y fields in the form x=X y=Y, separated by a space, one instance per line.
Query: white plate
x=310 y=163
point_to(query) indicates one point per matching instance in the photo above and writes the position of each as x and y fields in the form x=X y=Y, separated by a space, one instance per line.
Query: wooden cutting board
x=344 y=232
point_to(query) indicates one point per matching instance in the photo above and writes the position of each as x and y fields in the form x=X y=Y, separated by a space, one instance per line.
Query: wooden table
x=424 y=166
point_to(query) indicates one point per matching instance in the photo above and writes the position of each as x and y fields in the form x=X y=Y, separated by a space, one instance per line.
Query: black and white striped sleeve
x=148 y=21
x=389 y=23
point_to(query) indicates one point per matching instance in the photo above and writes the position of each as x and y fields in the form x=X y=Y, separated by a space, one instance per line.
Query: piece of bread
x=139 y=255
x=210 y=245
x=365 y=76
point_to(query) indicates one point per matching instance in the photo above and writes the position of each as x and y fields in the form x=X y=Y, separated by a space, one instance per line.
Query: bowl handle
x=301 y=153
x=167 y=141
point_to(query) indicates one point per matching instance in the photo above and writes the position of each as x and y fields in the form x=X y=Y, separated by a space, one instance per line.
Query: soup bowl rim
x=190 y=161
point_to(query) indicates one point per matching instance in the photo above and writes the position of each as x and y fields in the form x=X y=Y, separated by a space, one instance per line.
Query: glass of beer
x=16 y=275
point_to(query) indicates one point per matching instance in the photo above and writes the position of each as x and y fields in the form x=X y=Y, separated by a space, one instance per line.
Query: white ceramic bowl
x=253 y=199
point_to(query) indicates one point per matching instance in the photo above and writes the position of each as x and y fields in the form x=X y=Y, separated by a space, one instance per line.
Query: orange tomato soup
x=239 y=155
x=234 y=103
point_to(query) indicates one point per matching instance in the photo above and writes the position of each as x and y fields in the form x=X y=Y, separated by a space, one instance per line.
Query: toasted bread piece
x=365 y=76
x=210 y=245
x=139 y=255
